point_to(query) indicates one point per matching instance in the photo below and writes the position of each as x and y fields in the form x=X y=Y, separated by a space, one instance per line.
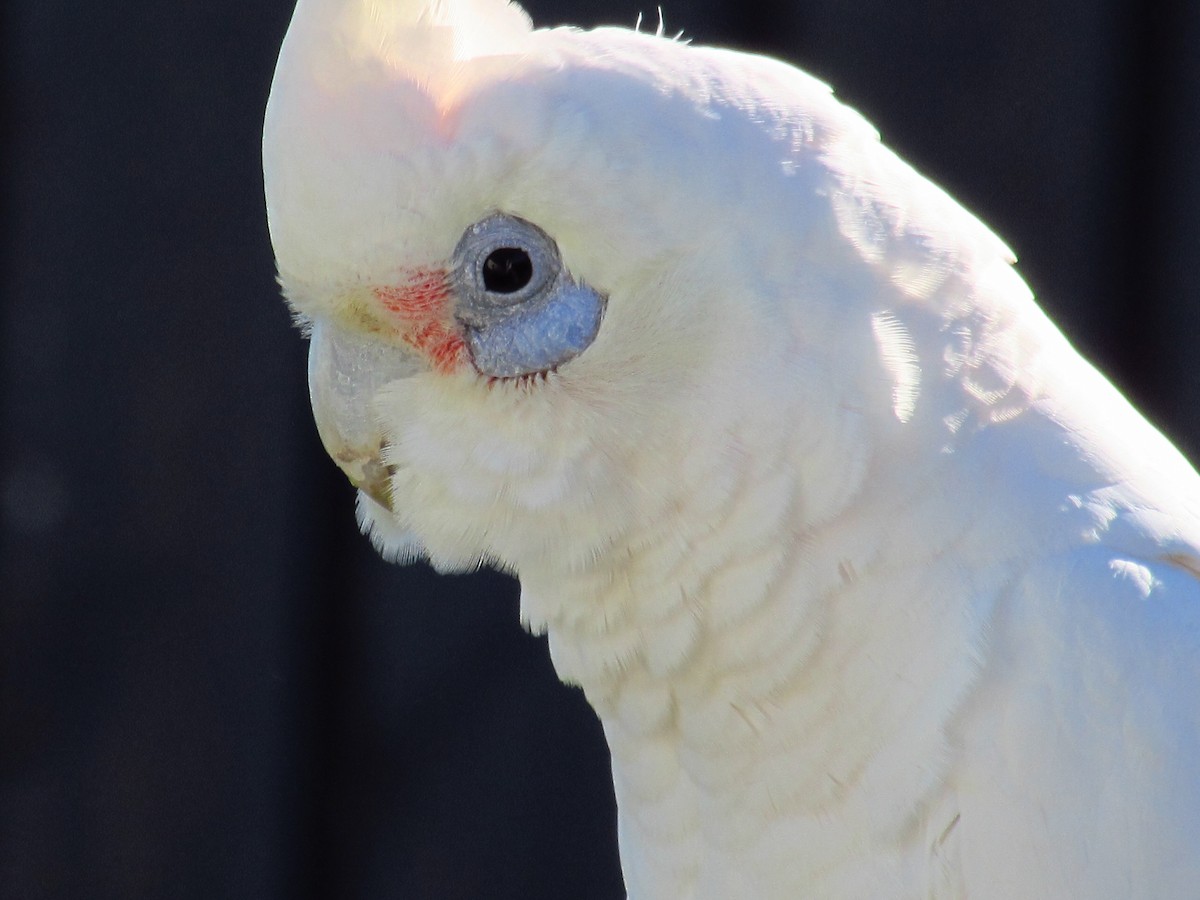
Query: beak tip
x=370 y=475
x=381 y=494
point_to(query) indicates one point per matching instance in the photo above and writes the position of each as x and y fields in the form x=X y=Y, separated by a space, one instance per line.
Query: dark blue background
x=209 y=685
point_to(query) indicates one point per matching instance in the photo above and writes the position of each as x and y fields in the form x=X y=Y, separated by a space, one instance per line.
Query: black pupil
x=507 y=270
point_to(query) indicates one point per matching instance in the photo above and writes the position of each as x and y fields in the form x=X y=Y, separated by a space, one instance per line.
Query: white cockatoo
x=878 y=588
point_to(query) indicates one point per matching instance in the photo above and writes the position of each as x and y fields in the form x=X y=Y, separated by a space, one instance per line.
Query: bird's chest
x=694 y=841
x=762 y=747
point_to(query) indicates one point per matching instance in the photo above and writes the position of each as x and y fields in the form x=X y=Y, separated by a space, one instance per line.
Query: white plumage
x=878 y=588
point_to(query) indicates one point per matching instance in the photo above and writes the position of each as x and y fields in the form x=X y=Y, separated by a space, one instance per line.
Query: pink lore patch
x=422 y=302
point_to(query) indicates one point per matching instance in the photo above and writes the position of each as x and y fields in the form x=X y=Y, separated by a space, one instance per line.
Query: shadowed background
x=209 y=685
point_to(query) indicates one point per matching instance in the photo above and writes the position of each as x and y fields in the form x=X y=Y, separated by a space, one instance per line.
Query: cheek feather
x=423 y=303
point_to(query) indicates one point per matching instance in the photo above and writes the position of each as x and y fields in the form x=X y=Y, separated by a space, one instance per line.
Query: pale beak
x=346 y=371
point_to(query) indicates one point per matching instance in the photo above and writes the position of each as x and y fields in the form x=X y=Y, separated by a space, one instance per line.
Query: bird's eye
x=520 y=309
x=506 y=270
x=504 y=262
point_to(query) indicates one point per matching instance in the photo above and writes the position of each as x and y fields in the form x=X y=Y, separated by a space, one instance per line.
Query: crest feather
x=423 y=38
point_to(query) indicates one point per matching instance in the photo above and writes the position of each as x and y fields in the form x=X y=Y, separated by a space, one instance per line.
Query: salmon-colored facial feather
x=423 y=302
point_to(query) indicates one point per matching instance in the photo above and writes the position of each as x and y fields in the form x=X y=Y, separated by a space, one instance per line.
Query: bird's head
x=559 y=282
